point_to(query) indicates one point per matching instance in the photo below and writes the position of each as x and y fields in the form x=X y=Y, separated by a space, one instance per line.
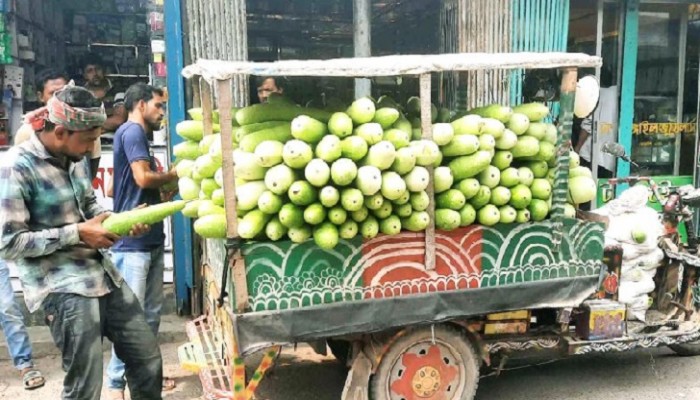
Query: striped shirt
x=41 y=203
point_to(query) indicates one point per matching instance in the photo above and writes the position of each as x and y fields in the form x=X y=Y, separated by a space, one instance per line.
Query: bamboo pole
x=196 y=92
x=390 y=65
x=237 y=266
x=207 y=106
x=427 y=133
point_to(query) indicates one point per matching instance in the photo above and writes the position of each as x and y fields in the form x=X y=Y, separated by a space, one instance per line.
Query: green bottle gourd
x=122 y=223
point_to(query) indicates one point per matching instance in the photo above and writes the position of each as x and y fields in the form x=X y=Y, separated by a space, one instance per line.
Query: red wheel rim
x=427 y=371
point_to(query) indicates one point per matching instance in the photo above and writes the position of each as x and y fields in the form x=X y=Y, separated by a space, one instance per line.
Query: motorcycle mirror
x=587 y=94
x=617 y=150
x=614 y=149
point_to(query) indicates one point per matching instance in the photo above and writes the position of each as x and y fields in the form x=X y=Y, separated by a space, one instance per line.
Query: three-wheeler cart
x=414 y=315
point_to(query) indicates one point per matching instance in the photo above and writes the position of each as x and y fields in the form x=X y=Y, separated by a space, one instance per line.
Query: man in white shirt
x=605 y=119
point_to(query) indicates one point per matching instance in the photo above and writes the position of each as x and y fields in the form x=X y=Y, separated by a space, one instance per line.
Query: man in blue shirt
x=136 y=182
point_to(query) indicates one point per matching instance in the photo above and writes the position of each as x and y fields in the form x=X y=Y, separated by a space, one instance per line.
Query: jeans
x=78 y=324
x=12 y=322
x=143 y=272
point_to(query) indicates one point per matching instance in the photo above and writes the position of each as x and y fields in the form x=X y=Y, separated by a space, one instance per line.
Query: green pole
x=566 y=119
x=561 y=176
x=629 y=77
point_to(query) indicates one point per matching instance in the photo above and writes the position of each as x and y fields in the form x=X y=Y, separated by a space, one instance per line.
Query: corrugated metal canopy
x=389 y=65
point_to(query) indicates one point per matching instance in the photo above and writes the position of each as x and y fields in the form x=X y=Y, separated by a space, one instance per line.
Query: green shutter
x=538 y=26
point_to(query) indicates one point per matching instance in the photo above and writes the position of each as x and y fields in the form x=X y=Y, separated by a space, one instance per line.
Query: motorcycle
x=676 y=299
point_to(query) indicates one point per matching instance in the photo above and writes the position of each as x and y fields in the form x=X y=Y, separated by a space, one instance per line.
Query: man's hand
x=139 y=230
x=167 y=195
x=170 y=189
x=94 y=235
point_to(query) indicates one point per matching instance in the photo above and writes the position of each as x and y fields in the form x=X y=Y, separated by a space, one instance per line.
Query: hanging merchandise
x=5 y=39
x=125 y=6
x=156 y=23
x=13 y=81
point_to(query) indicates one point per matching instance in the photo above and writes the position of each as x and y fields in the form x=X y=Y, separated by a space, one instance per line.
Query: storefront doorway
x=595 y=29
x=660 y=116
x=665 y=96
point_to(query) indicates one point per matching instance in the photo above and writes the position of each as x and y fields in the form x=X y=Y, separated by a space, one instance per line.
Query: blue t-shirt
x=131 y=145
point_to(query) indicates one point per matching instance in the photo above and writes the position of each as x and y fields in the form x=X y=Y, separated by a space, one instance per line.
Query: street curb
x=172 y=330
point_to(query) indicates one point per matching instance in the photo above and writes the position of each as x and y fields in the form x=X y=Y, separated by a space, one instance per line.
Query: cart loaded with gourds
x=414 y=313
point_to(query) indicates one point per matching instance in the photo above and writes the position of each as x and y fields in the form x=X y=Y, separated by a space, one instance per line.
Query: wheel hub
x=425 y=371
x=426 y=382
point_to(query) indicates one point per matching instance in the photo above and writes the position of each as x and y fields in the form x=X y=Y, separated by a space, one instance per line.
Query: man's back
x=131 y=145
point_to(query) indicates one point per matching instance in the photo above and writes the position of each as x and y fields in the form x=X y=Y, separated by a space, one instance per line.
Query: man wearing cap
x=52 y=227
x=18 y=343
x=48 y=82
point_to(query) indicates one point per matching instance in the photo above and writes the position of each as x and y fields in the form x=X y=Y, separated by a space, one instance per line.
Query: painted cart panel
x=285 y=275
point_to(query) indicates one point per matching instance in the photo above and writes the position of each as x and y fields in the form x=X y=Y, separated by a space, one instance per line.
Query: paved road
x=644 y=375
x=188 y=386
x=302 y=375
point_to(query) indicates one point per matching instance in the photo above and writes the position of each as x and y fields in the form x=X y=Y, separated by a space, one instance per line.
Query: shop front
x=650 y=69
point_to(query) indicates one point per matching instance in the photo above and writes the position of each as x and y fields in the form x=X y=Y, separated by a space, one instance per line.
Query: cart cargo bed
x=300 y=292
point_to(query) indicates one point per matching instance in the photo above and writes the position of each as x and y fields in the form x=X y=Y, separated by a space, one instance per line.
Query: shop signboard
x=665 y=128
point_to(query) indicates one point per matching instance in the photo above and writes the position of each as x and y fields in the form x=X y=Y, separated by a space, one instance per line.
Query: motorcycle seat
x=691 y=196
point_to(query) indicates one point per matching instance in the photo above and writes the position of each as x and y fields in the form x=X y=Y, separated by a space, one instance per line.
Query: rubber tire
x=686 y=349
x=340 y=350
x=446 y=333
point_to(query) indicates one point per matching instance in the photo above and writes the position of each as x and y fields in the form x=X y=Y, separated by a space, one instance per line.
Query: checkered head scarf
x=71 y=118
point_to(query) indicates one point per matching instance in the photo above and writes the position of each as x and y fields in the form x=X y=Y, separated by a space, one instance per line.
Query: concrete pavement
x=656 y=374
x=172 y=329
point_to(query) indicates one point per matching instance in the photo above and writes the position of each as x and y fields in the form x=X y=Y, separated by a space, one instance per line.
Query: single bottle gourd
x=122 y=223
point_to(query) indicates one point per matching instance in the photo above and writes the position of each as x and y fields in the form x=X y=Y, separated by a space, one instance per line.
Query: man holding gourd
x=52 y=226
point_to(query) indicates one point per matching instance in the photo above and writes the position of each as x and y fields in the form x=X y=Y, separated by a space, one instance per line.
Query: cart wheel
x=687 y=349
x=427 y=363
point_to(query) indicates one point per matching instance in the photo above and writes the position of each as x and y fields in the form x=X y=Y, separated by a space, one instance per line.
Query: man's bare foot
x=168 y=384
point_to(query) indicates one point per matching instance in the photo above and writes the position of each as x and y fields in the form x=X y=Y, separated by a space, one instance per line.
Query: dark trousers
x=78 y=324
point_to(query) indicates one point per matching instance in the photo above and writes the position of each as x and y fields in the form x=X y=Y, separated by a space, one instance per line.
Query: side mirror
x=618 y=151
x=614 y=149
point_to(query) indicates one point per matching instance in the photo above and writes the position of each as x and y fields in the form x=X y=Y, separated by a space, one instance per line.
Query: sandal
x=32 y=379
x=168 y=384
